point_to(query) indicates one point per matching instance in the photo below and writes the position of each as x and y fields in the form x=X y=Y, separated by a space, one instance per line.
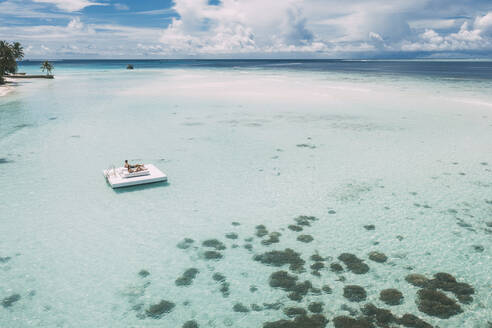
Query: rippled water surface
x=378 y=160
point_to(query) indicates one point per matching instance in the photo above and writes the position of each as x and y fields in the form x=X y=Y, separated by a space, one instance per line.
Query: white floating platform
x=119 y=177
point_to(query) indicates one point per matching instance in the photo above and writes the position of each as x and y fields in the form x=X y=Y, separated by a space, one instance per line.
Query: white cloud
x=71 y=5
x=467 y=38
x=121 y=6
x=323 y=28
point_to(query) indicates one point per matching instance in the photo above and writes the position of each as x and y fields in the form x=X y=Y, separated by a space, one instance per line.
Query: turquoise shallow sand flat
x=398 y=165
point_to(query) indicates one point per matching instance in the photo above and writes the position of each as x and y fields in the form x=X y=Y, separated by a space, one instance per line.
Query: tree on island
x=10 y=53
x=47 y=66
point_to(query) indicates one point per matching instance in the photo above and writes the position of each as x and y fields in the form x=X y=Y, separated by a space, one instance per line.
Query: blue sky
x=54 y=29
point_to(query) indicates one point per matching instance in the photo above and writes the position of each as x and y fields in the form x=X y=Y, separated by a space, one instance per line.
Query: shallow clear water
x=410 y=154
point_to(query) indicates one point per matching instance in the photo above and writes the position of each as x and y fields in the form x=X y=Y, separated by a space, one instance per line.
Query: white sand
x=5 y=89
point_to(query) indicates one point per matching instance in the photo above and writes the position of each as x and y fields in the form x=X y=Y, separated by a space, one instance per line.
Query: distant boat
x=120 y=177
x=129 y=66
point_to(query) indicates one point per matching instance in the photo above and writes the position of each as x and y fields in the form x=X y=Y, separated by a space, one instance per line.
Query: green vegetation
x=47 y=66
x=10 y=53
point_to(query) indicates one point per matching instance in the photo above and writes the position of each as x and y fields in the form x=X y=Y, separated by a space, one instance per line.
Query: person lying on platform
x=137 y=167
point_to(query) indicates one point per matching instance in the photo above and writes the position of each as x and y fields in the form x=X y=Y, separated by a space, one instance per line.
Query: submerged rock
x=305 y=238
x=282 y=279
x=143 y=273
x=336 y=267
x=280 y=258
x=437 y=304
x=224 y=289
x=391 y=296
x=377 y=257
x=5 y=259
x=316 y=307
x=448 y=283
x=417 y=280
x=348 y=322
x=261 y=231
x=158 y=310
x=382 y=316
x=214 y=243
x=305 y=220
x=294 y=227
x=478 y=248
x=303 y=321
x=231 y=235
x=212 y=255
x=218 y=277
x=294 y=311
x=190 y=324
x=317 y=258
x=410 y=320
x=317 y=266
x=272 y=306
x=239 y=307
x=354 y=293
x=300 y=290
x=10 y=300
x=256 y=307
x=187 y=278
x=272 y=238
x=327 y=289
x=353 y=263
x=186 y=243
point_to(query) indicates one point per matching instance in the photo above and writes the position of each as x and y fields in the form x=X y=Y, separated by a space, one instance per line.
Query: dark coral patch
x=316 y=307
x=353 y=263
x=239 y=307
x=354 y=293
x=212 y=255
x=305 y=220
x=190 y=324
x=231 y=235
x=144 y=273
x=282 y=279
x=280 y=258
x=378 y=257
x=410 y=320
x=187 y=278
x=437 y=304
x=305 y=238
x=214 y=243
x=5 y=259
x=185 y=243
x=294 y=311
x=391 y=296
x=348 y=322
x=272 y=238
x=261 y=231
x=336 y=267
x=417 y=280
x=10 y=300
x=156 y=311
x=382 y=316
x=218 y=277
x=294 y=227
x=317 y=258
x=303 y=321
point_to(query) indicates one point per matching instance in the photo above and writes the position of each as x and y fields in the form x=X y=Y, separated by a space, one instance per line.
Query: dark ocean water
x=460 y=70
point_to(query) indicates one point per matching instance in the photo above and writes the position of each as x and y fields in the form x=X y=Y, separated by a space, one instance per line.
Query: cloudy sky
x=249 y=28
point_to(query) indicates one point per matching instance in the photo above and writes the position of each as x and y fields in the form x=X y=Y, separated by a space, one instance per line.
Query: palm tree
x=47 y=66
x=9 y=54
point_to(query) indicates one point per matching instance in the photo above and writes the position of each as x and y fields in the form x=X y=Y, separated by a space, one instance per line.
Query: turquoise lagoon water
x=247 y=143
